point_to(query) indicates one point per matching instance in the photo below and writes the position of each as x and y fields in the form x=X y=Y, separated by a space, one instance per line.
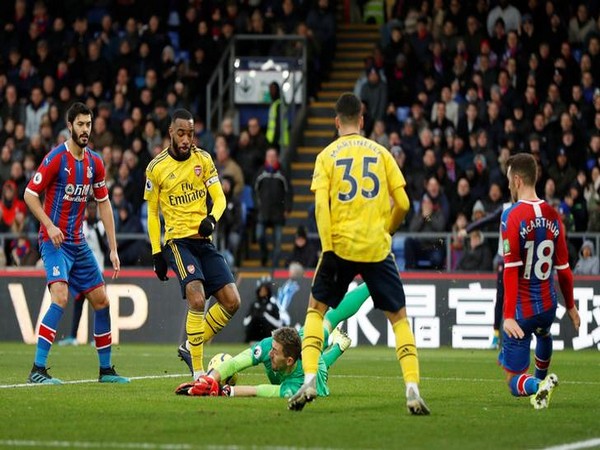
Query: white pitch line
x=576 y=445
x=142 y=445
x=95 y=380
x=371 y=377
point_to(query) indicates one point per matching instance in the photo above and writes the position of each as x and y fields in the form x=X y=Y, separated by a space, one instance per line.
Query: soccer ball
x=216 y=361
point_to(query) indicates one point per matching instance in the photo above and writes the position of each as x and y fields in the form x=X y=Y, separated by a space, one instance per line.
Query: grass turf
x=471 y=406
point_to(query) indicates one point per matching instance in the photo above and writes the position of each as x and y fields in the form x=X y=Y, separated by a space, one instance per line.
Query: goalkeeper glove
x=207 y=226
x=160 y=266
x=205 y=387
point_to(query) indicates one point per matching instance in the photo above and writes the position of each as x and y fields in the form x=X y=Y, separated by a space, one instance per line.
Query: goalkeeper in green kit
x=280 y=355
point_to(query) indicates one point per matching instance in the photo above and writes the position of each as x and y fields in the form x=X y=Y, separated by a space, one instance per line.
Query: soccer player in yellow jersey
x=353 y=181
x=178 y=183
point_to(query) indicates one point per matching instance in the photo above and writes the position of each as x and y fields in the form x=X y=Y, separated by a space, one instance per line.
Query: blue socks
x=523 y=385
x=47 y=334
x=103 y=337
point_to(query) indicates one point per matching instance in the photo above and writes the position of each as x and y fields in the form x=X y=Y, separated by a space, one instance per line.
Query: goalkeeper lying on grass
x=280 y=355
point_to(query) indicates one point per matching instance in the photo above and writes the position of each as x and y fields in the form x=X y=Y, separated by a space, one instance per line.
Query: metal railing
x=445 y=239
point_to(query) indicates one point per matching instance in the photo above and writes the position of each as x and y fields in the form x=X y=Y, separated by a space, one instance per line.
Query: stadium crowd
x=453 y=88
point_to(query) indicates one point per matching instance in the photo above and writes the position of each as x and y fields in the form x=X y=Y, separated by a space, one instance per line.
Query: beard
x=81 y=140
x=180 y=153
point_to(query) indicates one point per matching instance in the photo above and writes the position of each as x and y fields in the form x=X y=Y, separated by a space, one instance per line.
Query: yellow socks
x=406 y=351
x=194 y=327
x=312 y=344
x=216 y=318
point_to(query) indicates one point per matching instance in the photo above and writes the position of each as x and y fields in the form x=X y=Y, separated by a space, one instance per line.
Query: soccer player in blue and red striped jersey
x=69 y=175
x=534 y=244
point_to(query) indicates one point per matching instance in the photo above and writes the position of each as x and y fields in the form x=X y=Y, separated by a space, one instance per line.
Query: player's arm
x=151 y=195
x=400 y=208
x=323 y=218
x=396 y=183
x=108 y=220
x=238 y=363
x=512 y=262
x=35 y=206
x=215 y=190
x=565 y=277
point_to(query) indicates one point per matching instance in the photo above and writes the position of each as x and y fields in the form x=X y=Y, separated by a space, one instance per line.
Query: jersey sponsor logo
x=37 y=178
x=191 y=269
x=90 y=172
x=257 y=352
x=198 y=170
x=186 y=197
x=148 y=185
x=76 y=192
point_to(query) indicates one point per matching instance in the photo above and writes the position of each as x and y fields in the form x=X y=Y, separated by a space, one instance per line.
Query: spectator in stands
x=34 y=111
x=132 y=251
x=426 y=252
x=10 y=207
x=304 y=251
x=273 y=194
x=588 y=263
x=321 y=20
x=226 y=166
x=263 y=314
x=562 y=173
x=230 y=225
x=374 y=94
x=461 y=200
x=477 y=258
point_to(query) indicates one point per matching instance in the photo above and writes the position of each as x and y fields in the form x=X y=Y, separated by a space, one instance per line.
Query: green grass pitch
x=470 y=404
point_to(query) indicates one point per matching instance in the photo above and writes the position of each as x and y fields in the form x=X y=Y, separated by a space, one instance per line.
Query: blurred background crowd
x=452 y=89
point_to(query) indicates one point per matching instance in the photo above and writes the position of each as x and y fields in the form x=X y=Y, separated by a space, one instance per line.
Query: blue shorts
x=382 y=279
x=198 y=259
x=515 y=353
x=75 y=264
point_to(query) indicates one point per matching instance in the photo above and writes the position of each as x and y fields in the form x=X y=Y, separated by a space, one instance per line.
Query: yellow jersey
x=179 y=189
x=360 y=176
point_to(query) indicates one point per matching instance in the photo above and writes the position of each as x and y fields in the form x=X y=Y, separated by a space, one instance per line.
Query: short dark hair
x=348 y=107
x=290 y=342
x=524 y=165
x=181 y=114
x=76 y=109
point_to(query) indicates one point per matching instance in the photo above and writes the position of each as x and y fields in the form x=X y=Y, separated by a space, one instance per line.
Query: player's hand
x=328 y=264
x=116 y=263
x=574 y=316
x=205 y=387
x=160 y=266
x=184 y=388
x=207 y=226
x=225 y=391
x=56 y=236
x=512 y=328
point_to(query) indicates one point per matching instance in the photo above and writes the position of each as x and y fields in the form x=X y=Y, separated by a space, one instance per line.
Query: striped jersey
x=533 y=239
x=68 y=183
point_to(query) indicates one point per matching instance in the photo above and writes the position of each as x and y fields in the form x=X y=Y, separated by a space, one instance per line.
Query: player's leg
x=103 y=335
x=218 y=281
x=57 y=264
x=543 y=355
x=349 y=306
x=340 y=342
x=515 y=358
x=330 y=284
x=499 y=305
x=186 y=265
x=75 y=320
x=387 y=292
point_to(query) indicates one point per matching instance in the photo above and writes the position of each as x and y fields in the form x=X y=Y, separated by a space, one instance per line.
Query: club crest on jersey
x=55 y=271
x=198 y=170
x=191 y=269
x=90 y=173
